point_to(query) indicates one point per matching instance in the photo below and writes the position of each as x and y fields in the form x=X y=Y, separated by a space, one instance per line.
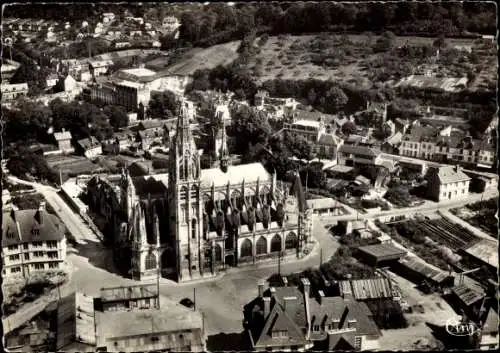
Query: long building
x=198 y=221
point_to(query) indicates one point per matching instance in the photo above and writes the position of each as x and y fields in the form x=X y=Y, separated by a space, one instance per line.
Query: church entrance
x=230 y=260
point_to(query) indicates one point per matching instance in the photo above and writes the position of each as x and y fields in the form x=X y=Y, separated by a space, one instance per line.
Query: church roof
x=234 y=175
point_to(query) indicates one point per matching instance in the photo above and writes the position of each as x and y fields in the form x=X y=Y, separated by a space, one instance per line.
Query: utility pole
x=320 y=257
x=60 y=177
x=279 y=263
x=194 y=299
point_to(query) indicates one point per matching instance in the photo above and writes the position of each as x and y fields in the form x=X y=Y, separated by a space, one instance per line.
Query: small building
x=367 y=289
x=489 y=331
x=468 y=299
x=75 y=324
x=129 y=298
x=52 y=80
x=391 y=144
x=351 y=155
x=99 y=67
x=33 y=241
x=90 y=147
x=13 y=91
x=174 y=328
x=323 y=206
x=447 y=183
x=63 y=140
x=68 y=83
x=380 y=254
x=418 y=272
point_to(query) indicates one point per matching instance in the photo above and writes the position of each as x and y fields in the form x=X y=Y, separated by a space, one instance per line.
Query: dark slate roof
x=49 y=229
x=359 y=150
x=298 y=191
x=140 y=168
x=279 y=320
x=421 y=133
x=89 y=143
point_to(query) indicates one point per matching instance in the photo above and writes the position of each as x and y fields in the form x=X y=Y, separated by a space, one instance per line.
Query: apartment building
x=32 y=241
x=447 y=183
x=322 y=137
x=351 y=155
x=448 y=145
x=13 y=91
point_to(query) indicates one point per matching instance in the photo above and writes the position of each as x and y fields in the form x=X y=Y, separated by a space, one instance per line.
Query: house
x=90 y=147
x=13 y=91
x=33 y=241
x=68 y=83
x=52 y=80
x=129 y=298
x=392 y=143
x=286 y=318
x=351 y=155
x=447 y=183
x=63 y=140
x=99 y=67
x=75 y=324
x=489 y=331
x=380 y=254
x=323 y=206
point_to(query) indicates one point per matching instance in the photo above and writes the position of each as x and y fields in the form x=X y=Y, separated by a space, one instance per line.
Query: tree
x=249 y=127
x=440 y=42
x=348 y=128
x=335 y=99
x=162 y=105
x=117 y=115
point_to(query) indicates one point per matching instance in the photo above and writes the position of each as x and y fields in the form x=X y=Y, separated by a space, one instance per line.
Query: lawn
x=352 y=59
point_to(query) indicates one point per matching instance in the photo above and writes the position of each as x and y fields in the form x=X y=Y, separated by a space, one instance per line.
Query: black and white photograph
x=249 y=176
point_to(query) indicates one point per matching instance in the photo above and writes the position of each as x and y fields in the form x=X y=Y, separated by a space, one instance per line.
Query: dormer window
x=279 y=333
x=35 y=232
x=10 y=235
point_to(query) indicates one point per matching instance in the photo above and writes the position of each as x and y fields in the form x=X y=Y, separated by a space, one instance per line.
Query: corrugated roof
x=75 y=320
x=128 y=293
x=468 y=295
x=382 y=250
x=363 y=289
x=423 y=268
x=485 y=250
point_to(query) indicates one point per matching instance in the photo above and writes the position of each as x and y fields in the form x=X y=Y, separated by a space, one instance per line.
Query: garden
x=481 y=215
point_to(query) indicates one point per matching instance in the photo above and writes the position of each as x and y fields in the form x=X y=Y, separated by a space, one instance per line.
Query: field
x=72 y=165
x=198 y=58
x=352 y=59
x=447 y=233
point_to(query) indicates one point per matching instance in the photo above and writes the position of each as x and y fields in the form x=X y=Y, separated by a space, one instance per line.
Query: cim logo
x=456 y=328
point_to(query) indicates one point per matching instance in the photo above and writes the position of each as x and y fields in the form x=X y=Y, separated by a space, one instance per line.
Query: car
x=188 y=303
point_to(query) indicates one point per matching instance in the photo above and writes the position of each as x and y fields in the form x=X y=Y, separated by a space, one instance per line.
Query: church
x=193 y=223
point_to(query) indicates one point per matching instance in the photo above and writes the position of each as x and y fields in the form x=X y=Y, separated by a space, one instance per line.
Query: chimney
x=63 y=130
x=285 y=281
x=306 y=286
x=336 y=324
x=273 y=292
x=457 y=168
x=344 y=317
x=39 y=214
x=321 y=297
x=261 y=289
x=267 y=306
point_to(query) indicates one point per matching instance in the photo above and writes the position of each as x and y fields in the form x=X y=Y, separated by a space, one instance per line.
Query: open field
x=198 y=58
x=74 y=165
x=352 y=59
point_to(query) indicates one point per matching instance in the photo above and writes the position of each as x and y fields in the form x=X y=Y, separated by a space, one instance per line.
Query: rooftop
x=468 y=295
x=424 y=269
x=363 y=289
x=309 y=123
x=485 y=250
x=171 y=318
x=128 y=293
x=235 y=175
x=450 y=174
x=359 y=150
x=325 y=202
x=18 y=226
x=383 y=251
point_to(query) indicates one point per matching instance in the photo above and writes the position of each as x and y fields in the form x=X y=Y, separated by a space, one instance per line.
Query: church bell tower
x=184 y=197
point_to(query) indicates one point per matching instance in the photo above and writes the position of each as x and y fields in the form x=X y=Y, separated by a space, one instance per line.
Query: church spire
x=224 y=153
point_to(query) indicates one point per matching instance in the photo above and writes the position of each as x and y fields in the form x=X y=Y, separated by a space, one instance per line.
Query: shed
x=380 y=253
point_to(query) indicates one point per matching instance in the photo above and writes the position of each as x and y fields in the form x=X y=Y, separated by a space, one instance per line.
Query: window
x=52 y=254
x=38 y=254
x=35 y=232
x=279 y=333
x=357 y=342
x=53 y=265
x=10 y=235
x=39 y=266
x=15 y=270
x=193 y=229
x=14 y=257
x=26 y=256
x=37 y=244
x=154 y=339
x=12 y=247
x=316 y=328
x=52 y=244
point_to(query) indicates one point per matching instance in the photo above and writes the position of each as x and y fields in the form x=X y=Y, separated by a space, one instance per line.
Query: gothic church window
x=291 y=241
x=261 y=246
x=150 y=261
x=246 y=248
x=276 y=243
x=193 y=229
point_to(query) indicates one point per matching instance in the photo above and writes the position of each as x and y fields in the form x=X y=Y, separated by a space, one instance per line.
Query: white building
x=33 y=241
x=13 y=91
x=447 y=183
